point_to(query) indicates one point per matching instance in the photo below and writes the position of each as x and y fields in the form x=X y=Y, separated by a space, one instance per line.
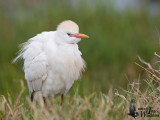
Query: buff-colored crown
x=68 y=26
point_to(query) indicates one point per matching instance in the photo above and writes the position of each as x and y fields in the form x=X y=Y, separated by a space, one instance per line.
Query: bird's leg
x=44 y=100
x=32 y=95
x=62 y=99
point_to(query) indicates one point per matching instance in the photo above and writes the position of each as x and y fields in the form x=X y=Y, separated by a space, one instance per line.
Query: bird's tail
x=38 y=98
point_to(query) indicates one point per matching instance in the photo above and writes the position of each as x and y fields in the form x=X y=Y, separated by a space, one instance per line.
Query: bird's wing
x=35 y=63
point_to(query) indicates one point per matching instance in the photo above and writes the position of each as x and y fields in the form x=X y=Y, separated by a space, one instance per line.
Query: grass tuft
x=96 y=106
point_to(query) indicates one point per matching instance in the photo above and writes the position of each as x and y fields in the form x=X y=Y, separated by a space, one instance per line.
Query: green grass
x=96 y=106
x=115 y=40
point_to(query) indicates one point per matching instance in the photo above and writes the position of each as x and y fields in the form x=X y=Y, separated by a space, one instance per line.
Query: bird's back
x=35 y=60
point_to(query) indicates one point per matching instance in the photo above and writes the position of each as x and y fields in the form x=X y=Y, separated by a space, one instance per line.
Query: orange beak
x=80 y=35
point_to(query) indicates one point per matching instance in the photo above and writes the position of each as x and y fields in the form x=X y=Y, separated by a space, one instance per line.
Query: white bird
x=52 y=61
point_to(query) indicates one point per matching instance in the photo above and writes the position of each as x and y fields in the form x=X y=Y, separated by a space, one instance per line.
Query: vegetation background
x=117 y=37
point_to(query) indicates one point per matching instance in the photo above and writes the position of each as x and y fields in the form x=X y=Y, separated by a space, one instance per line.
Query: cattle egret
x=52 y=61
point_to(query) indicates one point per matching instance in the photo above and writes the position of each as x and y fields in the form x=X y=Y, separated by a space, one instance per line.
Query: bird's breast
x=69 y=62
x=65 y=66
x=69 y=65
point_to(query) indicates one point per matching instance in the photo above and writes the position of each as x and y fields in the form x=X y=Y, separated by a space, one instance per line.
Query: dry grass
x=97 y=106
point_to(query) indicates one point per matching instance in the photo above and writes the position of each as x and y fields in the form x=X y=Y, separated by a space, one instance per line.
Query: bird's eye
x=69 y=34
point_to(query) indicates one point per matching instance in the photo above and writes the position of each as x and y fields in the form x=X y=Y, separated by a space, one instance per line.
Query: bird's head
x=68 y=32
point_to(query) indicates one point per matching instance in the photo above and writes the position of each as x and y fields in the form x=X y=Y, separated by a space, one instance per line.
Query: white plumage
x=52 y=60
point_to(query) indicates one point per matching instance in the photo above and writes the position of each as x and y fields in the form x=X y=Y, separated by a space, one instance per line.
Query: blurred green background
x=117 y=37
